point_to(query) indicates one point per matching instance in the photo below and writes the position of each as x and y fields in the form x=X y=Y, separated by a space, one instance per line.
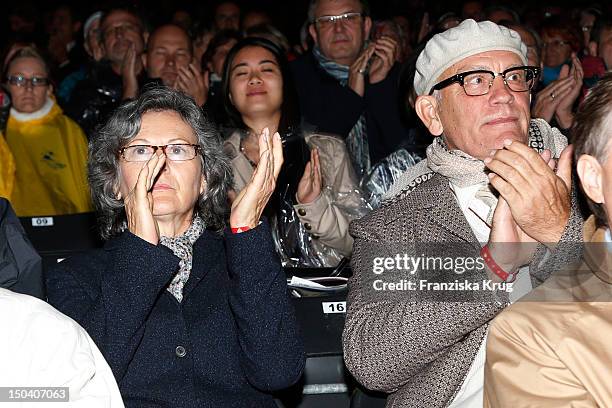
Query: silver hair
x=123 y=125
x=365 y=9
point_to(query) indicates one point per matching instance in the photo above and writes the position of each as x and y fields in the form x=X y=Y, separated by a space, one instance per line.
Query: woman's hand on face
x=139 y=202
x=250 y=203
x=309 y=187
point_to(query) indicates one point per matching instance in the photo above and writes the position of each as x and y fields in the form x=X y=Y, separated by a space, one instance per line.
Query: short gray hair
x=123 y=125
x=591 y=131
x=365 y=9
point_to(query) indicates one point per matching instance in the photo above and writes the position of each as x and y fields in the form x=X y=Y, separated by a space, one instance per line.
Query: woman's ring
x=361 y=71
x=552 y=95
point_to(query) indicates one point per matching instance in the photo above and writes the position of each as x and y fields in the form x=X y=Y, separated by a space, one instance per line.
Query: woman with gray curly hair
x=187 y=311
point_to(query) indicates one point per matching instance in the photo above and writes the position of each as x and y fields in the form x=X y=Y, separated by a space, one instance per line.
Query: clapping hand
x=538 y=196
x=547 y=100
x=357 y=71
x=250 y=203
x=534 y=202
x=563 y=113
x=129 y=74
x=193 y=82
x=309 y=187
x=385 y=52
x=559 y=96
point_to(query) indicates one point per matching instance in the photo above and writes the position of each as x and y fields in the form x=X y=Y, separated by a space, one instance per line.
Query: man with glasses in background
x=492 y=175
x=122 y=41
x=348 y=86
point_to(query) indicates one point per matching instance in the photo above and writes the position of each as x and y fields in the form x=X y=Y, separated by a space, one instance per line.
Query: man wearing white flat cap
x=492 y=175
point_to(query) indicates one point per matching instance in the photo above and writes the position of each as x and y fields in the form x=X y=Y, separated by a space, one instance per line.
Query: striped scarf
x=182 y=247
x=357 y=141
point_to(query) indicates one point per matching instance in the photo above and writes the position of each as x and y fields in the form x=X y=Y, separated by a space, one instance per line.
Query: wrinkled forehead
x=119 y=16
x=170 y=36
x=164 y=127
x=496 y=61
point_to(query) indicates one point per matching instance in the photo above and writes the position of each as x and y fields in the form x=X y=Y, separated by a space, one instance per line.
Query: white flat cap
x=457 y=43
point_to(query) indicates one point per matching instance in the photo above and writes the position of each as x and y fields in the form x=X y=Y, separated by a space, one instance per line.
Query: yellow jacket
x=7 y=169
x=552 y=348
x=51 y=156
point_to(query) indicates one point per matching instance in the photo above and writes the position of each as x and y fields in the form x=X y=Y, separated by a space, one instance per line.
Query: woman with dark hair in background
x=213 y=61
x=316 y=195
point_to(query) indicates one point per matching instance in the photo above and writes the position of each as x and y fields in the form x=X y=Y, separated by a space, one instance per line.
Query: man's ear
x=145 y=38
x=143 y=58
x=313 y=33
x=76 y=26
x=592 y=49
x=590 y=173
x=426 y=107
x=367 y=27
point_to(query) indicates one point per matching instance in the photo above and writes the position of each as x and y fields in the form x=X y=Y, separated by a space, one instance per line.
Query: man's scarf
x=463 y=170
x=357 y=141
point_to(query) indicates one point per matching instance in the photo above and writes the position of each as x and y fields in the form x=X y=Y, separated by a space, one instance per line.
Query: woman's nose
x=254 y=79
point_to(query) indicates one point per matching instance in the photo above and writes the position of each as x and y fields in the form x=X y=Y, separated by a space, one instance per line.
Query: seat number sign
x=334 y=307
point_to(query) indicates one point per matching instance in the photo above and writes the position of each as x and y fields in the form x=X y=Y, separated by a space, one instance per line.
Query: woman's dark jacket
x=232 y=340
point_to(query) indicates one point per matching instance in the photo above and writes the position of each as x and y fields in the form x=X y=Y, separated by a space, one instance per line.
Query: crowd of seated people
x=218 y=144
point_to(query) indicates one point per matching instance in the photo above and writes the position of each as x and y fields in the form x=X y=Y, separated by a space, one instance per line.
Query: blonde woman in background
x=50 y=150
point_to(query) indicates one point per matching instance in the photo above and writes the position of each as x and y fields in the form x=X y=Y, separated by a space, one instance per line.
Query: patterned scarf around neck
x=182 y=247
x=357 y=141
x=461 y=169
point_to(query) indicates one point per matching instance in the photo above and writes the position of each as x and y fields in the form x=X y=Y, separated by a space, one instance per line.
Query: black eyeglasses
x=478 y=82
x=20 y=80
x=174 y=152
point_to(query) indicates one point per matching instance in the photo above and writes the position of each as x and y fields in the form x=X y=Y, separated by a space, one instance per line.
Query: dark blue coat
x=232 y=340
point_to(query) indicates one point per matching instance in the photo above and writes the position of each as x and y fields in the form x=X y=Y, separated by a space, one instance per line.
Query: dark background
x=288 y=15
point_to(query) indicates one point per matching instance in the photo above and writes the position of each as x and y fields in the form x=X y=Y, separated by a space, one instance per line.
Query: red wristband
x=494 y=267
x=240 y=229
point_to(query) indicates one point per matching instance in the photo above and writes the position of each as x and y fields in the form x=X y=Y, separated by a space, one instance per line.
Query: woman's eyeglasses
x=174 y=152
x=21 y=81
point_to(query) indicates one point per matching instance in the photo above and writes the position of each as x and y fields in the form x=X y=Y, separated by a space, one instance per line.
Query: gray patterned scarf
x=463 y=170
x=182 y=247
x=357 y=141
